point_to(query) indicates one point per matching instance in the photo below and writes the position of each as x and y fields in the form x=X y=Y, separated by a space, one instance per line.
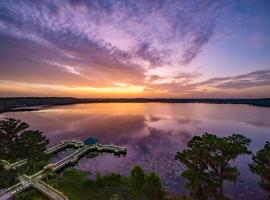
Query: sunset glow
x=135 y=48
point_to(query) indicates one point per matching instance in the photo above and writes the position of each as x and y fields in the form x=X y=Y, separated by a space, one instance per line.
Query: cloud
x=252 y=79
x=179 y=78
x=156 y=31
x=214 y=87
x=144 y=45
x=70 y=69
x=98 y=43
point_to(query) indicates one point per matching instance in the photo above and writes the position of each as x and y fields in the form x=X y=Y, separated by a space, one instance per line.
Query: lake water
x=153 y=133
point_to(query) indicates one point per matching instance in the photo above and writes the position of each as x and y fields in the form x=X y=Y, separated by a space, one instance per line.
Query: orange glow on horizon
x=116 y=90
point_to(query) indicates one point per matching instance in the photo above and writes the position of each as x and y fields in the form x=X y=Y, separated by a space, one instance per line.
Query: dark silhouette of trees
x=10 y=131
x=7 y=177
x=16 y=143
x=152 y=187
x=137 y=181
x=33 y=145
x=145 y=185
x=261 y=167
x=21 y=103
x=208 y=161
x=49 y=172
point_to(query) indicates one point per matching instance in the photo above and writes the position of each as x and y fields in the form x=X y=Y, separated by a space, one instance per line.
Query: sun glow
x=116 y=90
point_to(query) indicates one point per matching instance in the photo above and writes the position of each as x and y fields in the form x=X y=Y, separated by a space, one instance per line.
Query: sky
x=128 y=49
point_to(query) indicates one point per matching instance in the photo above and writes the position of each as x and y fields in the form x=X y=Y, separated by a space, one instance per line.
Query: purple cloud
x=145 y=29
x=105 y=43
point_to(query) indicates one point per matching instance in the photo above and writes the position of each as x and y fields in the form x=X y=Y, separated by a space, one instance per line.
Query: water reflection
x=153 y=133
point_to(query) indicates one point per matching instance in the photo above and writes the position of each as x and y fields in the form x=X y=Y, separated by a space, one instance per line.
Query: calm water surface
x=153 y=133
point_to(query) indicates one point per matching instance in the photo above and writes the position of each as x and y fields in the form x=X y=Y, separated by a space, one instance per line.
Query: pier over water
x=35 y=180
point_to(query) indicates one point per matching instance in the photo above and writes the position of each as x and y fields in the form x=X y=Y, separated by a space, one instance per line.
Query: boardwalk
x=48 y=191
x=15 y=165
x=65 y=144
x=60 y=147
x=35 y=180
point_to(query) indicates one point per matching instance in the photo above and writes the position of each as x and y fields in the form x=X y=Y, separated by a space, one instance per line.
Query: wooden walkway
x=60 y=147
x=35 y=180
x=49 y=191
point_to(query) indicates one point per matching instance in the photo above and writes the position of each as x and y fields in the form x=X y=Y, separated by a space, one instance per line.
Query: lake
x=153 y=133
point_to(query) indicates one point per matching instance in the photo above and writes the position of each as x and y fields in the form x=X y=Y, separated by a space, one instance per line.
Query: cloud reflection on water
x=153 y=133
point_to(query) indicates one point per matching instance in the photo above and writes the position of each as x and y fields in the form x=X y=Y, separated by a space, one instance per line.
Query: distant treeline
x=7 y=104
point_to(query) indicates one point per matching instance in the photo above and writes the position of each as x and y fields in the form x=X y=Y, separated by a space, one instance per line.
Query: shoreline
x=19 y=104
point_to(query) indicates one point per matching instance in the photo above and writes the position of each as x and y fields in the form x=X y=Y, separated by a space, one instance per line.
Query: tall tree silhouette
x=261 y=167
x=16 y=143
x=152 y=187
x=10 y=131
x=34 y=145
x=137 y=181
x=208 y=161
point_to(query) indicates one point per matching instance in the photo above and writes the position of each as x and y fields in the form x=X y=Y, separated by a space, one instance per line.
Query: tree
x=7 y=177
x=48 y=171
x=208 y=161
x=261 y=167
x=34 y=147
x=10 y=130
x=152 y=187
x=136 y=181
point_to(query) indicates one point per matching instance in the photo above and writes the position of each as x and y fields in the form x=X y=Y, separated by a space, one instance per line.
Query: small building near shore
x=90 y=141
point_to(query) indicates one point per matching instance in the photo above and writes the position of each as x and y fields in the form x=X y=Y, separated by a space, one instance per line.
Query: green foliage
x=136 y=181
x=77 y=185
x=261 y=167
x=49 y=173
x=152 y=187
x=145 y=185
x=7 y=177
x=113 y=180
x=32 y=194
x=33 y=145
x=208 y=161
x=19 y=143
x=10 y=131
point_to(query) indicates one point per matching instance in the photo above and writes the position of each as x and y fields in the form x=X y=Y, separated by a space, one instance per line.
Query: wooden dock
x=35 y=180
